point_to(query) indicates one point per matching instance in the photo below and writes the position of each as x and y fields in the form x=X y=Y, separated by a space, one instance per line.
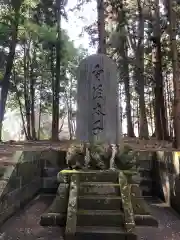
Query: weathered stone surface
x=166 y=170
x=30 y=190
x=101 y=176
x=50 y=172
x=108 y=218
x=97 y=100
x=56 y=212
x=125 y=193
x=54 y=161
x=63 y=189
x=145 y=173
x=145 y=220
x=50 y=183
x=53 y=219
x=146 y=191
x=100 y=202
x=141 y=209
x=101 y=233
x=58 y=205
x=98 y=188
x=71 y=222
x=145 y=163
x=19 y=183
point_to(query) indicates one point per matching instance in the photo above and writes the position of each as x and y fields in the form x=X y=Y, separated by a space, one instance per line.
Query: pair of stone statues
x=100 y=157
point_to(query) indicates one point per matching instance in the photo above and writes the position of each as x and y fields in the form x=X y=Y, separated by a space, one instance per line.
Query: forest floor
x=25 y=224
x=137 y=144
x=169 y=223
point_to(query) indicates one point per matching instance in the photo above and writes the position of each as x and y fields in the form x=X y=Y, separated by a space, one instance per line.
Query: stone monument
x=98 y=119
x=97 y=101
x=92 y=200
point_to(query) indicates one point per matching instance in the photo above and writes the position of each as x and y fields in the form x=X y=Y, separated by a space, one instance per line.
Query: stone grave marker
x=97 y=101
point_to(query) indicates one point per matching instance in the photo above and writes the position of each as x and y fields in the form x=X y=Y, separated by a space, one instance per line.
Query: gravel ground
x=169 y=223
x=25 y=224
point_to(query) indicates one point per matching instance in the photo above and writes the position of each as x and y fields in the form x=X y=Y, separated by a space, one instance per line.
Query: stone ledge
x=17 y=199
x=53 y=219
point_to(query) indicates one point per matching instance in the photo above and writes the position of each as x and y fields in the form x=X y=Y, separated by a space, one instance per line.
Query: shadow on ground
x=169 y=223
x=25 y=224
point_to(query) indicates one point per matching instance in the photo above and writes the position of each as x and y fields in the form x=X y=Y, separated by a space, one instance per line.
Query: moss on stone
x=100 y=156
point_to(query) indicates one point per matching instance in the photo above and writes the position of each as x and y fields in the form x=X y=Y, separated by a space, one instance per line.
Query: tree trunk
x=122 y=48
x=6 y=78
x=55 y=114
x=20 y=104
x=130 y=130
x=139 y=73
x=101 y=27
x=40 y=111
x=26 y=91
x=160 y=113
x=32 y=94
x=169 y=4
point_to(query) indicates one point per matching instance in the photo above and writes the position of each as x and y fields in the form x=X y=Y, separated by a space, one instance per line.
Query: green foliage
x=34 y=67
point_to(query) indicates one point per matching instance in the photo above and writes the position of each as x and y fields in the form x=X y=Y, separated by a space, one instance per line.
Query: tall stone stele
x=97 y=101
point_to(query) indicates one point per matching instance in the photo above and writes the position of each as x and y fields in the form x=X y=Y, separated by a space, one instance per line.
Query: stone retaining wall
x=54 y=161
x=20 y=180
x=166 y=170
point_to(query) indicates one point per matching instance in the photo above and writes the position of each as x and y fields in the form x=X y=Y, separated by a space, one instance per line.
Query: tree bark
x=139 y=73
x=169 y=5
x=32 y=96
x=55 y=114
x=130 y=129
x=26 y=90
x=101 y=27
x=160 y=112
x=6 y=78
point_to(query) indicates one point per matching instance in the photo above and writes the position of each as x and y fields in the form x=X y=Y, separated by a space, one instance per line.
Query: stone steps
x=102 y=202
x=103 y=233
x=106 y=218
x=99 y=188
x=57 y=211
x=99 y=210
x=109 y=189
x=110 y=218
x=110 y=176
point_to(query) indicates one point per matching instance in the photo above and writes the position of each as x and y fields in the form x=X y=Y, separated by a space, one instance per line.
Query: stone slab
x=103 y=233
x=108 y=218
x=98 y=188
x=99 y=177
x=98 y=117
x=53 y=219
x=50 y=183
x=95 y=202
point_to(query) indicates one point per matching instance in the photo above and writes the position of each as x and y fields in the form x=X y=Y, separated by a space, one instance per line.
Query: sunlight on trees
x=38 y=64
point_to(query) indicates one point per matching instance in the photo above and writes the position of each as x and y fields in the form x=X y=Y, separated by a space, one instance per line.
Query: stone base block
x=102 y=233
x=53 y=219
